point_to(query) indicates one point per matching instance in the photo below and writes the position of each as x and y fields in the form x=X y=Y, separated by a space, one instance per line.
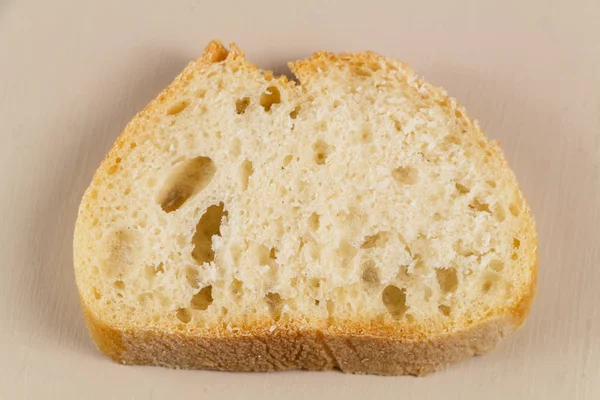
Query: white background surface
x=72 y=73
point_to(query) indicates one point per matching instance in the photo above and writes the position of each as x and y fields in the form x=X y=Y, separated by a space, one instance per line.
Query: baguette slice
x=356 y=219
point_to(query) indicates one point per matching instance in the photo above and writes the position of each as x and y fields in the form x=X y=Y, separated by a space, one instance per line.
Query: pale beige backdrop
x=72 y=73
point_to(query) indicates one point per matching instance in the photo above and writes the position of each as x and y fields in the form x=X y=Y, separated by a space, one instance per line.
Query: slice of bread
x=356 y=219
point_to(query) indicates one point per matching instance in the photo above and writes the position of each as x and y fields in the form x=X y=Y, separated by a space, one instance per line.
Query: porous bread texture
x=357 y=219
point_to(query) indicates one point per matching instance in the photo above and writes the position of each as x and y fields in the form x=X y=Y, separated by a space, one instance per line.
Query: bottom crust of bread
x=265 y=349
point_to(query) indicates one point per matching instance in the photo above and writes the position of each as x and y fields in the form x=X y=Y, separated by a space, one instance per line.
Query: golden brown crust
x=356 y=347
x=257 y=349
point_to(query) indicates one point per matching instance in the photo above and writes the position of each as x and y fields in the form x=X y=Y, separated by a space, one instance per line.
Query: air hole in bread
x=270 y=97
x=152 y=270
x=444 y=309
x=496 y=265
x=487 y=285
x=489 y=282
x=237 y=288
x=241 y=105
x=370 y=275
x=453 y=138
x=321 y=150
x=394 y=300
x=462 y=189
x=314 y=221
x=112 y=170
x=516 y=243
x=246 y=170
x=461 y=249
x=405 y=175
x=120 y=285
x=491 y=184
x=281 y=192
x=366 y=136
x=409 y=318
x=295 y=112
x=515 y=210
x=286 y=161
x=447 y=279
x=369 y=241
x=178 y=107
x=202 y=299
x=188 y=179
x=273 y=253
x=480 y=206
x=379 y=239
x=397 y=124
x=499 y=213
x=208 y=226
x=184 y=315
x=97 y=294
x=275 y=305
x=265 y=255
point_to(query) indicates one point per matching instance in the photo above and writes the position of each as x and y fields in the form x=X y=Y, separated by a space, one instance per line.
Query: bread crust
x=372 y=347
